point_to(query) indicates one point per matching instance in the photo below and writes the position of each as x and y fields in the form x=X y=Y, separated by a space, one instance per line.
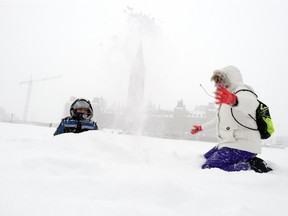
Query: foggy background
x=85 y=48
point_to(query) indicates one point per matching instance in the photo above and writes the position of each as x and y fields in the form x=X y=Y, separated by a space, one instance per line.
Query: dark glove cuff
x=236 y=103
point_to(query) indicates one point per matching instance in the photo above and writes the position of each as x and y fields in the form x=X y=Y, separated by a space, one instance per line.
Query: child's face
x=82 y=110
x=218 y=81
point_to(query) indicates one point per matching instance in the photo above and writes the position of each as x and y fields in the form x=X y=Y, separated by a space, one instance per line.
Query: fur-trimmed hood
x=231 y=76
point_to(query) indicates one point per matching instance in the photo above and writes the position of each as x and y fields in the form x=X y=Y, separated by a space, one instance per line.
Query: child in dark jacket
x=80 y=120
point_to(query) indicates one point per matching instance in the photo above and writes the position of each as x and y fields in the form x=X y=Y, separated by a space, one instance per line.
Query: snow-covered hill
x=105 y=174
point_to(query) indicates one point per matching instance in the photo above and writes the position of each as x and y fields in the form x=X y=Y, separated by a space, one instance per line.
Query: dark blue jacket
x=70 y=125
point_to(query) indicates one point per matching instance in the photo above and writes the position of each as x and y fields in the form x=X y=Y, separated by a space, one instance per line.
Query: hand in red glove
x=196 y=129
x=225 y=96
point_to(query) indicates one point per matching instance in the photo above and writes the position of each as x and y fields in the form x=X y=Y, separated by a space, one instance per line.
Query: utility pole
x=30 y=83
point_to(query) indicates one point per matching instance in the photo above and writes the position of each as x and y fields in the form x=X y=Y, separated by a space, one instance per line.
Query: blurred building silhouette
x=172 y=124
x=135 y=118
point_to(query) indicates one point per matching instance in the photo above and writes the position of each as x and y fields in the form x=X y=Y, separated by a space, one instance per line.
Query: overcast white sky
x=91 y=45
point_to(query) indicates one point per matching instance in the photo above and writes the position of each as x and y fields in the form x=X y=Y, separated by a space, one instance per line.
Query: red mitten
x=225 y=96
x=196 y=129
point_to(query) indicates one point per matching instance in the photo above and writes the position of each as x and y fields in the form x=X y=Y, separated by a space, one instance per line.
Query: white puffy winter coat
x=229 y=132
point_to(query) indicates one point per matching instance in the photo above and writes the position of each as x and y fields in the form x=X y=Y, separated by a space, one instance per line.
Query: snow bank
x=100 y=173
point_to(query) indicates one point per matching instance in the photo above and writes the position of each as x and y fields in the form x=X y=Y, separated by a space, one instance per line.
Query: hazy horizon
x=91 y=46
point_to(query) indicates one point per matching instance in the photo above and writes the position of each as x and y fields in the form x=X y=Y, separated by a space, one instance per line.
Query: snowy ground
x=99 y=173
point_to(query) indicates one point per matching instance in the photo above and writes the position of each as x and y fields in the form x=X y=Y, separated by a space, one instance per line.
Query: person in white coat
x=237 y=146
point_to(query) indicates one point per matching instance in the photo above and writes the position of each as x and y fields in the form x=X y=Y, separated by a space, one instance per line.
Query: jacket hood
x=230 y=75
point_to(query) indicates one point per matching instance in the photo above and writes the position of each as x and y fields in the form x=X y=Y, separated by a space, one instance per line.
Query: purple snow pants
x=227 y=159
